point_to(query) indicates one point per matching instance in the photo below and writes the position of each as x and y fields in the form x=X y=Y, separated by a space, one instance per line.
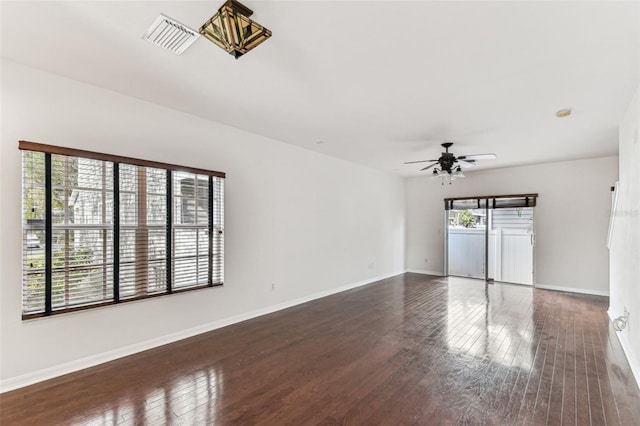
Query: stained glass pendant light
x=231 y=29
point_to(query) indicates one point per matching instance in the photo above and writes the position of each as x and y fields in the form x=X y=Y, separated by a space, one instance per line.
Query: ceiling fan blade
x=466 y=164
x=421 y=161
x=477 y=157
x=428 y=167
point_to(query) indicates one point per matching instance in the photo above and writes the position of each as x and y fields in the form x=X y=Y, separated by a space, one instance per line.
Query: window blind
x=143 y=230
x=101 y=229
x=190 y=243
x=33 y=232
x=491 y=202
x=82 y=231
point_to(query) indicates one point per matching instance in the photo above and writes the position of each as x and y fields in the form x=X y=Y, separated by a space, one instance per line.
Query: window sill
x=78 y=308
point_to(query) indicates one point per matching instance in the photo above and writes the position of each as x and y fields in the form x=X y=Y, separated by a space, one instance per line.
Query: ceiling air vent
x=170 y=34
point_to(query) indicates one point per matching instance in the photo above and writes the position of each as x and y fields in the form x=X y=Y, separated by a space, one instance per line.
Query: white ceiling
x=379 y=82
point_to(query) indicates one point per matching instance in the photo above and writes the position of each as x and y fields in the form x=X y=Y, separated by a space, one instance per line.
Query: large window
x=101 y=229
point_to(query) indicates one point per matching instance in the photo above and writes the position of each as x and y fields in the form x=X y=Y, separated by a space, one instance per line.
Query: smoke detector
x=170 y=34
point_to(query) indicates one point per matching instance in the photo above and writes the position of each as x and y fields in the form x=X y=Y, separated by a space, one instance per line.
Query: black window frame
x=214 y=228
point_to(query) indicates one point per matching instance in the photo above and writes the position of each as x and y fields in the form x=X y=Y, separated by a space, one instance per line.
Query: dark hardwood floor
x=413 y=349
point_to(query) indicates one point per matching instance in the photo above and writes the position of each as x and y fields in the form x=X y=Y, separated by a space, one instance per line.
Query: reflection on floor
x=410 y=349
x=500 y=318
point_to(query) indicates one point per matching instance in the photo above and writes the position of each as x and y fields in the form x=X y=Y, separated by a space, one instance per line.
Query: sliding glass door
x=491 y=237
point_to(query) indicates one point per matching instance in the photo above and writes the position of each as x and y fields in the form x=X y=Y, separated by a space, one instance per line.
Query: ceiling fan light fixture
x=448 y=166
x=232 y=30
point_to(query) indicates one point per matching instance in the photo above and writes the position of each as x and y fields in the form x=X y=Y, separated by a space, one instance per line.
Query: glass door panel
x=511 y=241
x=465 y=242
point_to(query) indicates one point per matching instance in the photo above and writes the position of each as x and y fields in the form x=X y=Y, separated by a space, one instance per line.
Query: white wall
x=625 y=243
x=571 y=218
x=308 y=223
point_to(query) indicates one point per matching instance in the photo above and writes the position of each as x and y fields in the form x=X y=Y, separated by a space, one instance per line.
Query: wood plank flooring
x=412 y=349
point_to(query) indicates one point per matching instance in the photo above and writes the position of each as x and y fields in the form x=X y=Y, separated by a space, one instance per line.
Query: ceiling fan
x=452 y=165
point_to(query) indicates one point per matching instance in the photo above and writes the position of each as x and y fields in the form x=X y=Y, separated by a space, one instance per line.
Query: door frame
x=495 y=201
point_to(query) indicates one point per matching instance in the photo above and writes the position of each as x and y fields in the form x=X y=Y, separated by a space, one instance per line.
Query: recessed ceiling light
x=563 y=113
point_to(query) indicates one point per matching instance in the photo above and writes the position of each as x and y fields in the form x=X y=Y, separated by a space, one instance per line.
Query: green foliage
x=77 y=257
x=465 y=218
x=34 y=178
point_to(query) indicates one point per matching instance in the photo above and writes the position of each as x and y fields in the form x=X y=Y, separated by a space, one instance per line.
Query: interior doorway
x=491 y=238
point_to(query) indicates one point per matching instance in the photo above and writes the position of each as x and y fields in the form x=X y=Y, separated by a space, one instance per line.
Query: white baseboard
x=93 y=360
x=424 y=271
x=572 y=289
x=622 y=338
